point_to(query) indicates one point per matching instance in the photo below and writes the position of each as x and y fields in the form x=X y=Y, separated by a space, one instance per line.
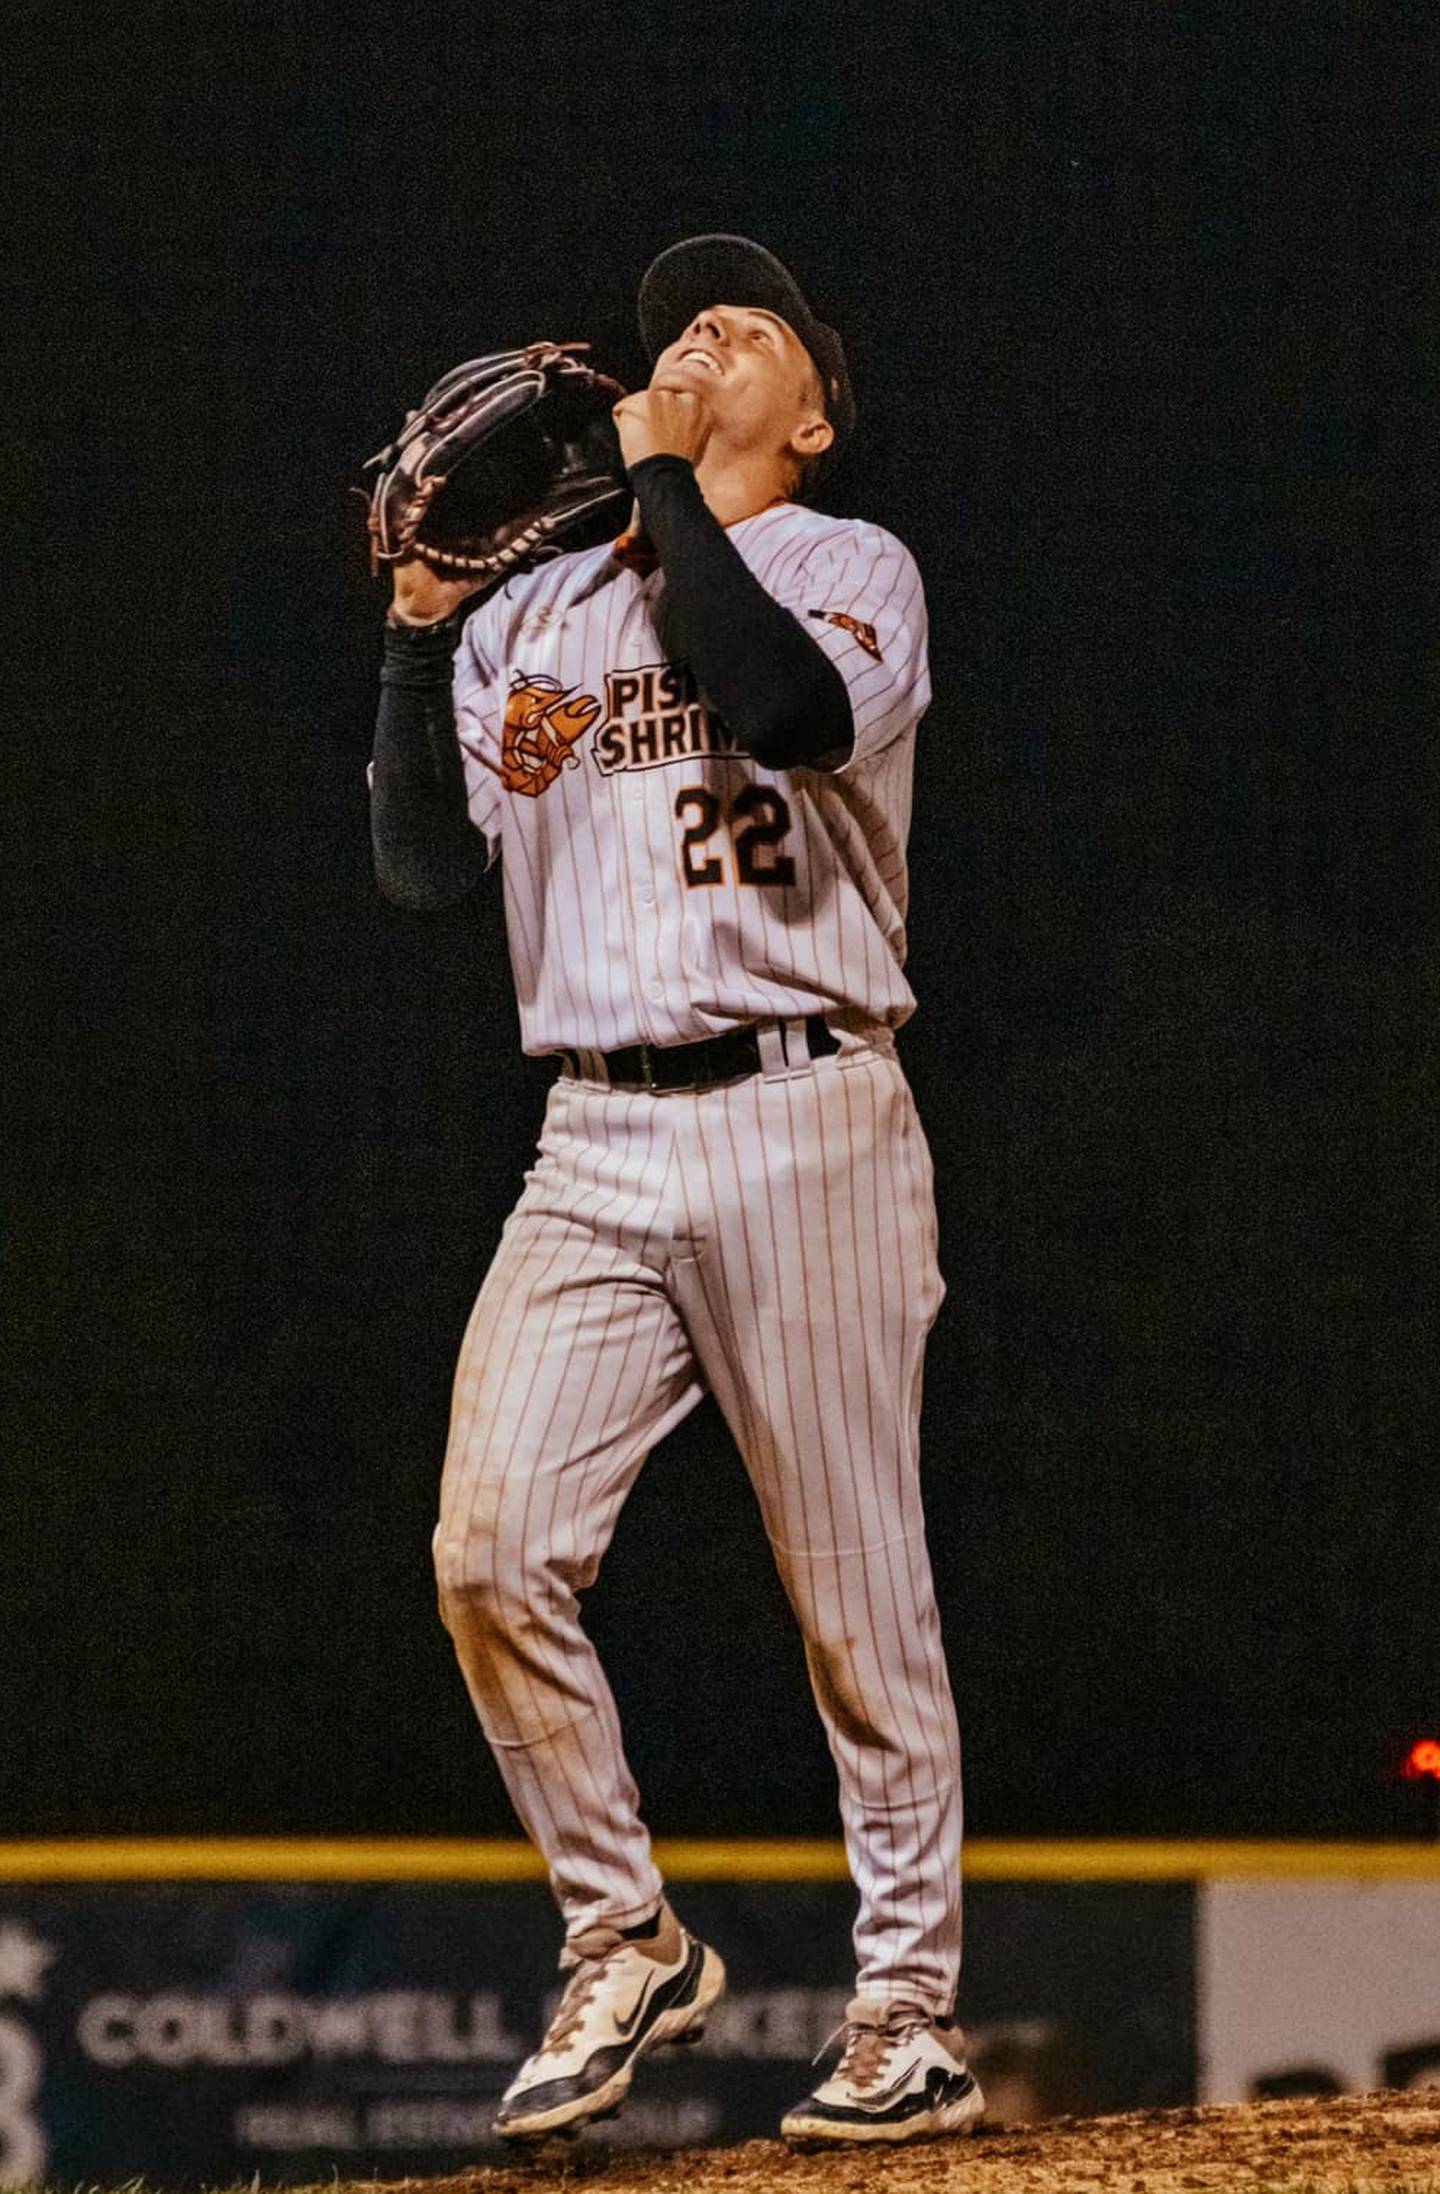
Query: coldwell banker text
x=395 y=2026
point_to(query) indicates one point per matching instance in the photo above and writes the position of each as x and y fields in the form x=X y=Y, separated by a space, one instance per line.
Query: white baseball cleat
x=902 y=2076
x=622 y=1999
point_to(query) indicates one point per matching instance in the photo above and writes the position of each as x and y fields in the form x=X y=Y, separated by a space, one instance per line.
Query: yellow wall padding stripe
x=439 y=1859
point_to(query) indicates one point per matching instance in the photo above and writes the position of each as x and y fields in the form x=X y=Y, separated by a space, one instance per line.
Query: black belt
x=712 y=1059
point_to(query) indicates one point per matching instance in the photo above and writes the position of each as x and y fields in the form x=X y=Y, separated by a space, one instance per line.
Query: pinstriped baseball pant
x=772 y=1239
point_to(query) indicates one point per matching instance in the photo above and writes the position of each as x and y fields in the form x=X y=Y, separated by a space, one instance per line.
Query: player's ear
x=812 y=438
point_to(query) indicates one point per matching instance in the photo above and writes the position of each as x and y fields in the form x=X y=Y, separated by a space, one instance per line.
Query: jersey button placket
x=647 y=917
x=636 y=792
x=641 y=939
x=666 y=911
x=645 y=902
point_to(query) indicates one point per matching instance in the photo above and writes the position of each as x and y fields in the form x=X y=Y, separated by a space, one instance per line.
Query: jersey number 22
x=764 y=817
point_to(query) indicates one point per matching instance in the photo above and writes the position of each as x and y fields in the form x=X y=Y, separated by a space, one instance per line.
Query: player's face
x=756 y=376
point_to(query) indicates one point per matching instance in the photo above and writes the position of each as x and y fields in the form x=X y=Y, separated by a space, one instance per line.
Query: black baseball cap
x=731 y=270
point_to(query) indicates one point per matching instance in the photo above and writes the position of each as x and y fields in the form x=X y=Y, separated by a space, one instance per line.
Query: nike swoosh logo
x=625 y=2027
x=888 y=2094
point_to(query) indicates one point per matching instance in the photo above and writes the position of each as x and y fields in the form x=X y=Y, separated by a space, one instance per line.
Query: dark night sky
x=1140 y=303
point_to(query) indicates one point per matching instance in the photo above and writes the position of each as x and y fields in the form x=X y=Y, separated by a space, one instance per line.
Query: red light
x=1423 y=1758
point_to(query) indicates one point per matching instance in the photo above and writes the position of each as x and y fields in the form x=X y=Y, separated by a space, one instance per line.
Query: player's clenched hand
x=662 y=422
x=422 y=597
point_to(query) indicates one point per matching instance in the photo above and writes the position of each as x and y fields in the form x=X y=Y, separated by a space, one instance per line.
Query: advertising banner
x=197 y=2033
x=1318 y=1987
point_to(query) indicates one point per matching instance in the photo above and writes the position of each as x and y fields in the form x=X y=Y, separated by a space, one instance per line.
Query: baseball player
x=691 y=749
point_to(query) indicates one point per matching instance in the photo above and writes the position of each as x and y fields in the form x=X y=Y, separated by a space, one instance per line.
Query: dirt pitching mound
x=1343 y=2144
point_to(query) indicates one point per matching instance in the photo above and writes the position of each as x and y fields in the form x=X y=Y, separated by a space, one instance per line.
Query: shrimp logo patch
x=543 y=722
x=862 y=632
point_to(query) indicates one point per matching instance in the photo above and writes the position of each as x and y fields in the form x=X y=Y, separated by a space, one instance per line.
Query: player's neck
x=732 y=492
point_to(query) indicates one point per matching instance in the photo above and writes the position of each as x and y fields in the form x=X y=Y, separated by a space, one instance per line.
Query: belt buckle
x=647 y=1069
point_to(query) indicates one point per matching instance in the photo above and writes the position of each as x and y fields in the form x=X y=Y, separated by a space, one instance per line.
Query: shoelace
x=593 y=1952
x=868 y=2044
x=572 y=2006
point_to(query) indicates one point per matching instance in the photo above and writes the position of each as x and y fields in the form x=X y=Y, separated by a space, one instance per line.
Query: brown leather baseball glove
x=509 y=459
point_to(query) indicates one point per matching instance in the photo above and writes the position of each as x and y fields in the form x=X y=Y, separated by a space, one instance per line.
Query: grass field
x=1387 y=2142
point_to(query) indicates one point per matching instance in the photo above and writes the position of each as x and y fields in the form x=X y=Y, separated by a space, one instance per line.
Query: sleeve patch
x=862 y=632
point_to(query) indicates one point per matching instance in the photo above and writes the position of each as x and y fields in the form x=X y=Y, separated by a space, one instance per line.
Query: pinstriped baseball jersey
x=659 y=885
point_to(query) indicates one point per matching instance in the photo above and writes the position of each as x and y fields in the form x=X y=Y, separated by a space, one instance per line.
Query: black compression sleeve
x=774 y=686
x=426 y=850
